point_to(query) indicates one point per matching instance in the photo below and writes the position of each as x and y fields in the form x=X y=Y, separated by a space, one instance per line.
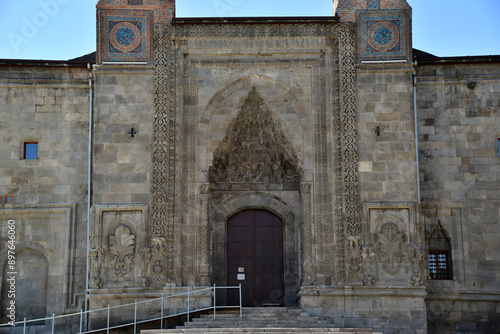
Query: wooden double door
x=255 y=258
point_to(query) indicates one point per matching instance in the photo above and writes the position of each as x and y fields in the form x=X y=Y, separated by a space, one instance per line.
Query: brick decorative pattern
x=124 y=35
x=347 y=9
x=373 y=4
x=384 y=35
x=164 y=10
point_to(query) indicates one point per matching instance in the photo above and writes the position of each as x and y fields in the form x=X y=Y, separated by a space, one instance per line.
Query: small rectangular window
x=439 y=265
x=9 y=199
x=499 y=147
x=31 y=151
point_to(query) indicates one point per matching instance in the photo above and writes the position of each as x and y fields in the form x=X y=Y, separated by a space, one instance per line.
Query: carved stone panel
x=390 y=242
x=118 y=239
x=392 y=252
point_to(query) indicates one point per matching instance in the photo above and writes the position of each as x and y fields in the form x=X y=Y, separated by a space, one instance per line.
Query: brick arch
x=261 y=201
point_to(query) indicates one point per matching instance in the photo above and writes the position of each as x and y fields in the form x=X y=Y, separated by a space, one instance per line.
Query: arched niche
x=31 y=285
x=225 y=104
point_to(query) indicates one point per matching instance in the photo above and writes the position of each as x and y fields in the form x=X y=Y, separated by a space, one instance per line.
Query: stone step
x=260 y=320
x=257 y=318
x=261 y=330
x=253 y=324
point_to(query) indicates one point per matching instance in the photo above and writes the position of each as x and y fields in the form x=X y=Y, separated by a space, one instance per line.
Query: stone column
x=204 y=269
x=307 y=253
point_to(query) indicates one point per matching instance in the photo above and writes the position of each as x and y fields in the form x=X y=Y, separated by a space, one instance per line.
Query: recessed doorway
x=255 y=258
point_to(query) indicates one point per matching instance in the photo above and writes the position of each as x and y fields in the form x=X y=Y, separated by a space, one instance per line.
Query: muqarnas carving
x=255 y=148
x=121 y=250
x=391 y=248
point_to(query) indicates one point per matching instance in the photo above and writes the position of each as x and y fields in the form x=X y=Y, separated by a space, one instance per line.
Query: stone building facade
x=363 y=179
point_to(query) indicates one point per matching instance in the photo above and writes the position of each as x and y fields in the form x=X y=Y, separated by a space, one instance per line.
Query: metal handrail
x=188 y=311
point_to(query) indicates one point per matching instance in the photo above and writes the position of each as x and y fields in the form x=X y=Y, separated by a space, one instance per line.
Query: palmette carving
x=391 y=248
x=121 y=249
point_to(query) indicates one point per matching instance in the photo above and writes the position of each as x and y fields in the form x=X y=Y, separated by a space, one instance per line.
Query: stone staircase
x=260 y=320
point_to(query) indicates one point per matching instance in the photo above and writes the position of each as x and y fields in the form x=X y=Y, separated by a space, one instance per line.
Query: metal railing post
x=107 y=327
x=188 y=306
x=214 y=304
x=135 y=317
x=161 y=322
x=241 y=314
x=84 y=314
x=81 y=320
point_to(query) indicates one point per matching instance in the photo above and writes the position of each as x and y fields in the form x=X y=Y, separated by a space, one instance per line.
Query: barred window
x=439 y=265
x=440 y=253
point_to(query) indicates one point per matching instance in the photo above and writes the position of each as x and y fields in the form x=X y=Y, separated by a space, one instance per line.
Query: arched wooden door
x=255 y=258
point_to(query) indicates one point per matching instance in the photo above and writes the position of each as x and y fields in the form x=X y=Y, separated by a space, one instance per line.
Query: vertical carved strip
x=164 y=142
x=308 y=265
x=204 y=277
x=339 y=261
x=349 y=135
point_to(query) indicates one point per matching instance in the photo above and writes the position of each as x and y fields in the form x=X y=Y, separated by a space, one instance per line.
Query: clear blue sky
x=65 y=29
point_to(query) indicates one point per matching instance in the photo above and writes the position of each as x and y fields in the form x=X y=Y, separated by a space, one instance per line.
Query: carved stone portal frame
x=330 y=207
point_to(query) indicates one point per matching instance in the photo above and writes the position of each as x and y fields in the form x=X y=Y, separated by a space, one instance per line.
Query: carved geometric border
x=350 y=226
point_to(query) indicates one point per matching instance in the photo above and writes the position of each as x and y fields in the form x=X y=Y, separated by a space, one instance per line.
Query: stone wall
x=122 y=169
x=47 y=104
x=122 y=161
x=387 y=160
x=459 y=126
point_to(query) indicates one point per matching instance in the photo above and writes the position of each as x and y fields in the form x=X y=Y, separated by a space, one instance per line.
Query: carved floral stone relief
x=391 y=248
x=121 y=250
